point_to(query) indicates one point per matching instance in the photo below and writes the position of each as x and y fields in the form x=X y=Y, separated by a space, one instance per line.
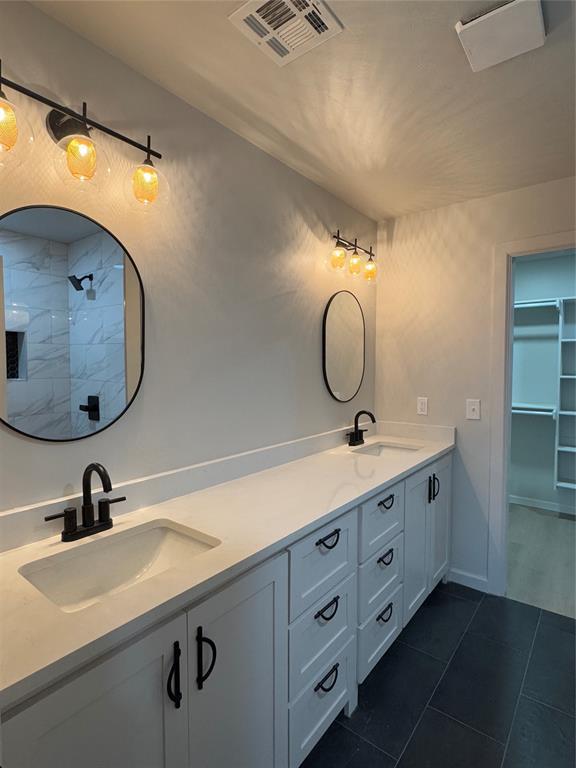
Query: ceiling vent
x=502 y=33
x=286 y=29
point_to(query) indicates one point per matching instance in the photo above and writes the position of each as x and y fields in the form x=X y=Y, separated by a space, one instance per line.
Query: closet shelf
x=562 y=484
x=534 y=409
x=567 y=448
x=537 y=304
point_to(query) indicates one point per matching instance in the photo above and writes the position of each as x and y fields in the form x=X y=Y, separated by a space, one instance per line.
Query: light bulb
x=81 y=157
x=338 y=257
x=8 y=125
x=370 y=270
x=355 y=263
x=145 y=183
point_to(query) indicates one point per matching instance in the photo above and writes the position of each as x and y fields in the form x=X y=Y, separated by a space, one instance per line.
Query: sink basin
x=89 y=573
x=377 y=449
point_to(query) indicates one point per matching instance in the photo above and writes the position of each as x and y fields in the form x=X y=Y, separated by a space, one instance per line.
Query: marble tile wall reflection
x=74 y=346
x=36 y=304
x=97 y=344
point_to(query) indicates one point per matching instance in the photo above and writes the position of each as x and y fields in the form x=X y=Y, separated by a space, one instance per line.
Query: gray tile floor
x=474 y=681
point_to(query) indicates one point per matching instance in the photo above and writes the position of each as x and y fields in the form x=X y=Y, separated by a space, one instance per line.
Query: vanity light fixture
x=72 y=132
x=356 y=264
x=14 y=129
x=73 y=137
x=370 y=268
x=338 y=255
x=146 y=180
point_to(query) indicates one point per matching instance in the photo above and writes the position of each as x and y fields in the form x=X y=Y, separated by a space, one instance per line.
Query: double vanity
x=228 y=627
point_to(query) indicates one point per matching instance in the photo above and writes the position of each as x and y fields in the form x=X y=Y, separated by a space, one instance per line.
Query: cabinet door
x=440 y=520
x=416 y=542
x=238 y=673
x=116 y=714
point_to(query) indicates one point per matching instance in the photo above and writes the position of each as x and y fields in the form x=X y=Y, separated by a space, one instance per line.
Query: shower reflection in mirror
x=72 y=317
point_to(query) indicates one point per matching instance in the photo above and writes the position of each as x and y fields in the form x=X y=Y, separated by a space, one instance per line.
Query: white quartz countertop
x=255 y=517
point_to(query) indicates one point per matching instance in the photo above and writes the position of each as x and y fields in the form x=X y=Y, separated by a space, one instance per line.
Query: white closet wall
x=543 y=445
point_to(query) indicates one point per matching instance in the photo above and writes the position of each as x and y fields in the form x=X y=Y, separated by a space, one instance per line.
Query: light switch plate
x=422 y=406
x=472 y=409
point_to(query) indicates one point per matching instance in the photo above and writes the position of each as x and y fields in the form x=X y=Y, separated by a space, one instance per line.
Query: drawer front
x=316 y=635
x=378 y=633
x=379 y=577
x=321 y=560
x=318 y=705
x=381 y=519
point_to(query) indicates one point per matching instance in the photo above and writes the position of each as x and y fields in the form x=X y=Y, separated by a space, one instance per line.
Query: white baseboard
x=468 y=579
x=547 y=506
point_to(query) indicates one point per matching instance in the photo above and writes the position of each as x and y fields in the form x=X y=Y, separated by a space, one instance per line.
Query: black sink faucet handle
x=70 y=519
x=104 y=508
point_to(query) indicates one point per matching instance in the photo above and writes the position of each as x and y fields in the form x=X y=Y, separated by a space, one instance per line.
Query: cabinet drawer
x=381 y=519
x=380 y=576
x=321 y=560
x=316 y=635
x=378 y=633
x=320 y=702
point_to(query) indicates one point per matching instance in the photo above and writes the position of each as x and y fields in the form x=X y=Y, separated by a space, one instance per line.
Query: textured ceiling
x=388 y=115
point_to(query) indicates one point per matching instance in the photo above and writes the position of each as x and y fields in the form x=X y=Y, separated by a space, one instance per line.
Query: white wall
x=434 y=324
x=233 y=272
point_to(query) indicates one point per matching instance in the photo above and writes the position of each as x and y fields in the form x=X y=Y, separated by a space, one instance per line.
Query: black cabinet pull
x=387 y=557
x=386 y=614
x=173 y=684
x=323 y=542
x=321 y=687
x=387 y=503
x=321 y=614
x=435 y=486
x=200 y=640
x=430 y=494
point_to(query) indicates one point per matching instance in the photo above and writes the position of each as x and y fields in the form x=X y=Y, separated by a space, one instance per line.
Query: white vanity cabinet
x=427 y=532
x=238 y=672
x=161 y=702
x=114 y=714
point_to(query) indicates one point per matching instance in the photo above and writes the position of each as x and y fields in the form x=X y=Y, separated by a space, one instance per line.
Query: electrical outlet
x=472 y=409
x=422 y=406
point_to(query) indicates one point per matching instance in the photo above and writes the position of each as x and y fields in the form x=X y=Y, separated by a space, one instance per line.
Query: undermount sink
x=89 y=573
x=377 y=449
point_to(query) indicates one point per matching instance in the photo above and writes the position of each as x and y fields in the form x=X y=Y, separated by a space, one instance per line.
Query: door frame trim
x=501 y=392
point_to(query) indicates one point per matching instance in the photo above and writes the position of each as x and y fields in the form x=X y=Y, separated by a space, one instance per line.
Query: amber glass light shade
x=8 y=126
x=338 y=257
x=145 y=183
x=81 y=157
x=370 y=271
x=355 y=264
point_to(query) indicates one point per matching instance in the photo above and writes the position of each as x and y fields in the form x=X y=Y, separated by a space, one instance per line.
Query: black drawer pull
x=386 y=614
x=200 y=640
x=174 y=693
x=321 y=614
x=323 y=542
x=435 y=486
x=430 y=493
x=320 y=686
x=388 y=502
x=387 y=557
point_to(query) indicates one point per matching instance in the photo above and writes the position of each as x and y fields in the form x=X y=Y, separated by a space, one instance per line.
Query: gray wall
x=233 y=270
x=434 y=333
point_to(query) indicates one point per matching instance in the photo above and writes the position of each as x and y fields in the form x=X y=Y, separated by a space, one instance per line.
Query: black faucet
x=72 y=530
x=357 y=436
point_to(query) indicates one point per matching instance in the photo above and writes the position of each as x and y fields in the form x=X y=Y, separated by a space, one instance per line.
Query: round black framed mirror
x=343 y=346
x=72 y=324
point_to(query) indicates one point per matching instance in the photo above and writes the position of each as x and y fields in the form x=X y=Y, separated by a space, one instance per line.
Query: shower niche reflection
x=71 y=345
